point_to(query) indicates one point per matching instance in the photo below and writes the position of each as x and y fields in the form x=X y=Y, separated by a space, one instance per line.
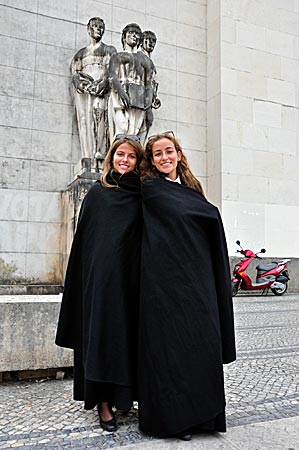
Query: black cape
x=186 y=314
x=99 y=310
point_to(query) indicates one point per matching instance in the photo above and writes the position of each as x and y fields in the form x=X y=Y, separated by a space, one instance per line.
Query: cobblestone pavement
x=261 y=386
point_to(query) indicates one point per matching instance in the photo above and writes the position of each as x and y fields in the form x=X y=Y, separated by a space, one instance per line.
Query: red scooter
x=274 y=275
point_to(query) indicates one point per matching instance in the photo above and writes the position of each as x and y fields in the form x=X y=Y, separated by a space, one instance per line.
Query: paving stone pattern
x=262 y=385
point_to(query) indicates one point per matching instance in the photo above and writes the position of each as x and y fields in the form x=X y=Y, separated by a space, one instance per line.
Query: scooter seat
x=266 y=266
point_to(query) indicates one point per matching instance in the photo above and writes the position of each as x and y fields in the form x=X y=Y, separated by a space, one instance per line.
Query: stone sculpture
x=130 y=72
x=148 y=43
x=90 y=78
x=115 y=92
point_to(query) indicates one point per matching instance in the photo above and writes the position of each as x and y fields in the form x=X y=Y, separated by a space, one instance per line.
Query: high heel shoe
x=184 y=436
x=107 y=425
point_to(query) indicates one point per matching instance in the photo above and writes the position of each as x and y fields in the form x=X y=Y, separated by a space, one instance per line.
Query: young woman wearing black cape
x=99 y=310
x=186 y=315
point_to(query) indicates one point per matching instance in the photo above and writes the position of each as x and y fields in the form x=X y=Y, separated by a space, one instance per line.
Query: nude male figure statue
x=90 y=79
x=131 y=93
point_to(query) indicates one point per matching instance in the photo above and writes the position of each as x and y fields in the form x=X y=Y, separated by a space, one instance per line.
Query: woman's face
x=124 y=159
x=165 y=157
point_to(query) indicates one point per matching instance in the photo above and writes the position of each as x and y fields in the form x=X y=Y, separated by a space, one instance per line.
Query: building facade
x=228 y=73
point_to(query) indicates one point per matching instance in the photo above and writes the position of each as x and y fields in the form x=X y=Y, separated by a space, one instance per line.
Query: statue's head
x=148 y=41
x=96 y=28
x=131 y=35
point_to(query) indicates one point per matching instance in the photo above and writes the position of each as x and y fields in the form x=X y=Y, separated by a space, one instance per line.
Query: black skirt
x=94 y=392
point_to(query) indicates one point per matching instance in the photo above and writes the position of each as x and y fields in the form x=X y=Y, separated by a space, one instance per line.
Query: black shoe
x=107 y=425
x=184 y=436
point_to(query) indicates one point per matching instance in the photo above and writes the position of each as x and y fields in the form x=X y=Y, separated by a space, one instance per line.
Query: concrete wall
x=38 y=133
x=27 y=334
x=260 y=124
x=228 y=81
x=36 y=150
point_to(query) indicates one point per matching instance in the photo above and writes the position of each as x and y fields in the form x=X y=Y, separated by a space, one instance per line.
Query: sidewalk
x=262 y=391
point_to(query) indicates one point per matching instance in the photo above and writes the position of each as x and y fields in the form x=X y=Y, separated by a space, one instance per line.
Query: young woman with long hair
x=99 y=310
x=186 y=316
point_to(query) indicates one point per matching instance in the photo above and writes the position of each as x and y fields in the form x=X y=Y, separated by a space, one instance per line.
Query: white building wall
x=38 y=133
x=228 y=76
x=260 y=124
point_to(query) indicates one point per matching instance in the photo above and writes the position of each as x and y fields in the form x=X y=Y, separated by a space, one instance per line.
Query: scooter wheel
x=235 y=288
x=280 y=291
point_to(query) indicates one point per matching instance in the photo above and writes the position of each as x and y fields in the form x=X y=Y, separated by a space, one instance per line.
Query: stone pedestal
x=71 y=200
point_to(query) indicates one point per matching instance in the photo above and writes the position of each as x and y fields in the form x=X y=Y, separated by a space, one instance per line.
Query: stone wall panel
x=134 y=5
x=192 y=13
x=43 y=237
x=191 y=37
x=14 y=266
x=193 y=137
x=168 y=111
x=26 y=5
x=169 y=86
x=14 y=204
x=57 y=32
x=52 y=88
x=14 y=173
x=282 y=141
x=56 y=8
x=267 y=113
x=16 y=82
x=283 y=192
x=236 y=57
x=17 y=53
x=93 y=8
x=50 y=146
x=13 y=235
x=59 y=117
x=44 y=268
x=266 y=64
x=192 y=111
x=44 y=207
x=281 y=91
x=17 y=23
x=15 y=142
x=198 y=161
x=16 y=112
x=191 y=86
x=280 y=43
x=54 y=60
x=121 y=17
x=237 y=108
x=165 y=58
x=160 y=9
x=49 y=176
x=191 y=61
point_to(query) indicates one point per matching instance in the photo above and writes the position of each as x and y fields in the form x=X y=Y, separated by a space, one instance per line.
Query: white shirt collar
x=177 y=180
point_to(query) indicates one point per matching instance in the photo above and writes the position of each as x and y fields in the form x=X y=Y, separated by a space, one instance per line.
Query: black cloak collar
x=129 y=181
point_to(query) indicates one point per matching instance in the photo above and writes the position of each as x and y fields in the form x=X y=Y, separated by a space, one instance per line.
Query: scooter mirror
x=238 y=242
x=263 y=250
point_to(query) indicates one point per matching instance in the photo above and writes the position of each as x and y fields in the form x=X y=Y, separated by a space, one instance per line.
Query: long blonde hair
x=108 y=161
x=183 y=169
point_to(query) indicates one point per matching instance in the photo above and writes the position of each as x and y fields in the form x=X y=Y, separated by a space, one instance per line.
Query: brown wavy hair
x=108 y=161
x=183 y=170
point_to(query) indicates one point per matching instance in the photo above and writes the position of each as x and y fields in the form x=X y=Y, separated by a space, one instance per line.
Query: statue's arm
x=81 y=81
x=156 y=102
x=101 y=87
x=114 y=64
x=148 y=84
